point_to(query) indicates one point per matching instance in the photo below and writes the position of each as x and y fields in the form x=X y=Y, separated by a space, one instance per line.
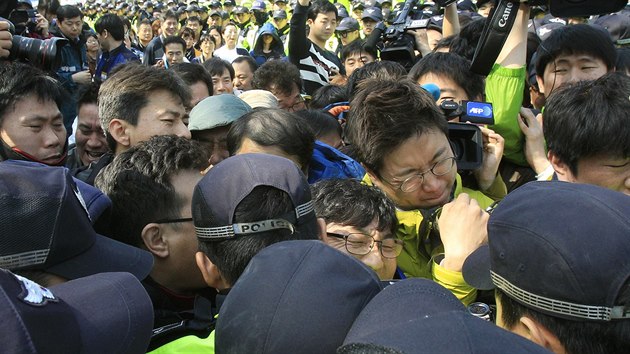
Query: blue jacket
x=328 y=162
x=112 y=59
x=73 y=60
x=277 y=48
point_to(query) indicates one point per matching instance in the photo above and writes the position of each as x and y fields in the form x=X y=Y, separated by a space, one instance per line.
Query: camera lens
x=41 y=53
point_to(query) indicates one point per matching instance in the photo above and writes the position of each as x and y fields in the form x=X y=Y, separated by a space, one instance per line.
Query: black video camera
x=398 y=45
x=43 y=54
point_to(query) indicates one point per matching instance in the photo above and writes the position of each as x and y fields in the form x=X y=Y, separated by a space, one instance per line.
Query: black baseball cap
x=45 y=226
x=558 y=248
x=424 y=317
x=295 y=297
x=221 y=190
x=348 y=24
x=373 y=13
x=241 y=10
x=102 y=313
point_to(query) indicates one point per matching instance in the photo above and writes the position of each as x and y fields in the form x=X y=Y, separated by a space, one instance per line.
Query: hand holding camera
x=5 y=39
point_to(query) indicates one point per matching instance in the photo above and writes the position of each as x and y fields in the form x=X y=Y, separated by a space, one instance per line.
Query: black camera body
x=467 y=143
x=44 y=54
x=398 y=45
x=24 y=20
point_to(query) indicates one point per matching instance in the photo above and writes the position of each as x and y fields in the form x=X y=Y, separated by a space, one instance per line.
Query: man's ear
x=154 y=241
x=322 y=229
x=211 y=274
x=562 y=169
x=541 y=84
x=118 y=130
x=540 y=335
x=309 y=22
x=373 y=176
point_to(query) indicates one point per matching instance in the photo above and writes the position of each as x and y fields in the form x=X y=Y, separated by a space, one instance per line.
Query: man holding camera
x=401 y=137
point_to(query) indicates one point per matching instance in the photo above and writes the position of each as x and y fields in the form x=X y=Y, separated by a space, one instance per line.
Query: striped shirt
x=316 y=64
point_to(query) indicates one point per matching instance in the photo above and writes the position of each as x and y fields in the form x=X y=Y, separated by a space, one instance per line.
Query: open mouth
x=94 y=154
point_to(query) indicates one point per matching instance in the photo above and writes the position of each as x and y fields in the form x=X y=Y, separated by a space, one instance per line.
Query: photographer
x=36 y=27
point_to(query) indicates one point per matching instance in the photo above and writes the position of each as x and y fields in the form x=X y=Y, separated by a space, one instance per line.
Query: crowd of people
x=273 y=176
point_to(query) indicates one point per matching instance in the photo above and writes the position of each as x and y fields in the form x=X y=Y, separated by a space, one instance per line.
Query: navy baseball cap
x=259 y=5
x=221 y=190
x=102 y=313
x=45 y=226
x=295 y=297
x=348 y=24
x=618 y=25
x=229 y=3
x=558 y=248
x=373 y=13
x=424 y=317
x=280 y=14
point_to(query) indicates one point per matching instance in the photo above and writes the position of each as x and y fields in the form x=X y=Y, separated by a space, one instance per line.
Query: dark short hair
x=17 y=81
x=168 y=14
x=193 y=73
x=589 y=118
x=356 y=47
x=466 y=41
x=216 y=66
x=277 y=75
x=193 y=19
x=349 y=202
x=127 y=91
x=326 y=95
x=174 y=39
x=385 y=113
x=451 y=66
x=145 y=21
x=88 y=94
x=246 y=59
x=263 y=202
x=113 y=24
x=379 y=69
x=576 y=39
x=320 y=7
x=321 y=123
x=138 y=182
x=595 y=337
x=208 y=37
x=274 y=127
x=68 y=11
x=186 y=31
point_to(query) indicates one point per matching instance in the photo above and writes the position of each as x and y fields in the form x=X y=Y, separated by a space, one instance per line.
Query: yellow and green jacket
x=422 y=244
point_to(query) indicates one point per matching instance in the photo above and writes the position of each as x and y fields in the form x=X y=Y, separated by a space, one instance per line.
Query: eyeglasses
x=414 y=182
x=172 y=221
x=361 y=244
x=343 y=34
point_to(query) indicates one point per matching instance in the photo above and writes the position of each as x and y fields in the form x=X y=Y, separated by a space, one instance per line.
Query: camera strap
x=494 y=35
